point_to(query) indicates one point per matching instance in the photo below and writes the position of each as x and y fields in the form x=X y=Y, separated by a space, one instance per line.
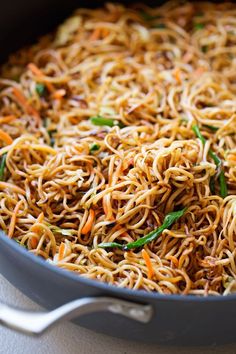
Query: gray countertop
x=68 y=338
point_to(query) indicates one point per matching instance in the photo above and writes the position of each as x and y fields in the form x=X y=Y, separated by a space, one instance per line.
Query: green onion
x=198 y=26
x=223 y=185
x=147 y=17
x=212 y=185
x=159 y=25
x=111 y=245
x=40 y=89
x=217 y=160
x=168 y=221
x=211 y=127
x=101 y=121
x=204 y=48
x=2 y=166
x=56 y=229
x=52 y=139
x=94 y=147
x=16 y=240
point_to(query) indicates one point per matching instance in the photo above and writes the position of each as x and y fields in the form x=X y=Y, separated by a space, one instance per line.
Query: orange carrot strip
x=23 y=102
x=59 y=94
x=13 y=219
x=5 y=137
x=96 y=34
x=61 y=251
x=177 y=75
x=105 y=32
x=89 y=223
x=6 y=185
x=34 y=242
x=37 y=72
x=7 y=119
x=147 y=259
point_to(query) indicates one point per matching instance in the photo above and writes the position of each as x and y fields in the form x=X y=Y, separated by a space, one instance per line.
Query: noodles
x=111 y=124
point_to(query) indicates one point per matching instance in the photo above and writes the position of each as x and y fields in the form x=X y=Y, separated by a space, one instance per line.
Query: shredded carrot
x=96 y=34
x=37 y=72
x=173 y=259
x=89 y=223
x=23 y=102
x=59 y=94
x=105 y=32
x=13 y=219
x=7 y=119
x=6 y=185
x=177 y=76
x=61 y=251
x=34 y=242
x=5 y=137
x=147 y=259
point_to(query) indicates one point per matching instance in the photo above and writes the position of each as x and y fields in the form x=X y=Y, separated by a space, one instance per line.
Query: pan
x=130 y=314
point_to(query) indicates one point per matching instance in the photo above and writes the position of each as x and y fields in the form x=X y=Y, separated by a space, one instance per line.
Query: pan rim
x=115 y=290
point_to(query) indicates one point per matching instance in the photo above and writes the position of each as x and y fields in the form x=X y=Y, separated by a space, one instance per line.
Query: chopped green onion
x=204 y=48
x=101 y=121
x=151 y=236
x=2 y=166
x=212 y=185
x=211 y=127
x=56 y=229
x=159 y=25
x=94 y=147
x=19 y=243
x=223 y=185
x=147 y=17
x=217 y=160
x=111 y=245
x=198 y=26
x=51 y=135
x=40 y=89
x=198 y=134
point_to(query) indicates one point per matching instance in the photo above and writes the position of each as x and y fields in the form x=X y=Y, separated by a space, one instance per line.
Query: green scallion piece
x=51 y=135
x=217 y=160
x=101 y=121
x=159 y=25
x=198 y=26
x=2 y=166
x=211 y=127
x=40 y=89
x=94 y=147
x=151 y=236
x=147 y=17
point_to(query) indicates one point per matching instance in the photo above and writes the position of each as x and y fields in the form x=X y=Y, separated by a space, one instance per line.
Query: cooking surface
x=66 y=338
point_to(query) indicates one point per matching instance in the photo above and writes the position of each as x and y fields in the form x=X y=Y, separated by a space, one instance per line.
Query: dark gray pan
x=177 y=320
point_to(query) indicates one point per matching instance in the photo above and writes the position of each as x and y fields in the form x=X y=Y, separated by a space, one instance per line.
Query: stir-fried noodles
x=118 y=147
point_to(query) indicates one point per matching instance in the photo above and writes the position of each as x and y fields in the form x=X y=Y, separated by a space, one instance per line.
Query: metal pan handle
x=36 y=323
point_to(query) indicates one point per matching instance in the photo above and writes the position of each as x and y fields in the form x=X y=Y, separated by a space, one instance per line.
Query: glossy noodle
x=119 y=120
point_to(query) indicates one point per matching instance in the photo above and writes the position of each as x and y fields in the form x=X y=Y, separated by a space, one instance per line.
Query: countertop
x=68 y=338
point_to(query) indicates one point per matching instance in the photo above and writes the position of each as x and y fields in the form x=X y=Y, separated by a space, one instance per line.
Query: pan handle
x=36 y=323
